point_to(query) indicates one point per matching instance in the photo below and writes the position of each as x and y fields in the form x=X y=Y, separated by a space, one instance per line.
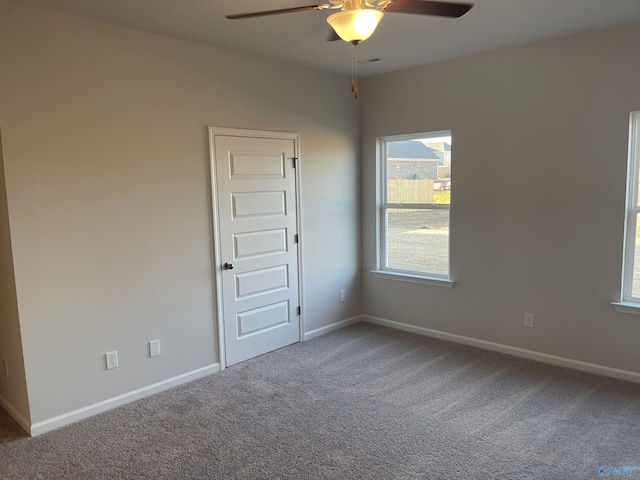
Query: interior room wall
x=540 y=136
x=13 y=387
x=108 y=186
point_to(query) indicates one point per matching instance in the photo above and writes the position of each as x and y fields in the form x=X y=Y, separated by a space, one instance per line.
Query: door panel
x=259 y=204
x=257 y=227
x=254 y=244
x=256 y=165
x=262 y=281
x=263 y=318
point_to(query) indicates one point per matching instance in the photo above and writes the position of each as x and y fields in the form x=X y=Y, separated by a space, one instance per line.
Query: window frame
x=383 y=270
x=632 y=210
x=628 y=303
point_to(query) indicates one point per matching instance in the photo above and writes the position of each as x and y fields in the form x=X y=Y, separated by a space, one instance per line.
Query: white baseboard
x=515 y=351
x=330 y=328
x=17 y=416
x=44 y=426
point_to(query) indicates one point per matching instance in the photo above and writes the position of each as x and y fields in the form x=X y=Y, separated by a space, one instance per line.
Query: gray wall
x=13 y=387
x=539 y=162
x=107 y=178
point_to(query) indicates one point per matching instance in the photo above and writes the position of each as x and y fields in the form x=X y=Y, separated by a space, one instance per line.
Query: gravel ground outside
x=419 y=240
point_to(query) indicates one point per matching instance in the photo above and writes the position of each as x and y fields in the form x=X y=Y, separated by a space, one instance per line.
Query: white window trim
x=382 y=271
x=404 y=276
x=628 y=303
x=626 y=307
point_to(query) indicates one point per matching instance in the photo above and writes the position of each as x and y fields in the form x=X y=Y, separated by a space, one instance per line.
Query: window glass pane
x=419 y=171
x=636 y=265
x=418 y=240
x=634 y=152
x=638 y=185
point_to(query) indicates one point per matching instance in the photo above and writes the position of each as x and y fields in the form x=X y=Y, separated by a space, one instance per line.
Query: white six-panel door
x=256 y=243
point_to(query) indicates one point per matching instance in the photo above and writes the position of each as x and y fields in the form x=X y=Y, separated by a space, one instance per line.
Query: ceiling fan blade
x=240 y=16
x=429 y=7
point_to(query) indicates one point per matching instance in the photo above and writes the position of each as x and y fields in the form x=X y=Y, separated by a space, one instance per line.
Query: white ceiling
x=401 y=40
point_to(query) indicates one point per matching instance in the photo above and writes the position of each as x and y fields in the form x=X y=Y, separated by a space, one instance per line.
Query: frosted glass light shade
x=355 y=25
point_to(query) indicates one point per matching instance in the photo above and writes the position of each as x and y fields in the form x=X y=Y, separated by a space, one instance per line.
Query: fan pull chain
x=354 y=69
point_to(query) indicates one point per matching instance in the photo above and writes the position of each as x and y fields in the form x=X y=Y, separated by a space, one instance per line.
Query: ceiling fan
x=358 y=19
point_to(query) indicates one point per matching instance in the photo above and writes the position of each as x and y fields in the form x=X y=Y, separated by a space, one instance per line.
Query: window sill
x=406 y=277
x=626 y=307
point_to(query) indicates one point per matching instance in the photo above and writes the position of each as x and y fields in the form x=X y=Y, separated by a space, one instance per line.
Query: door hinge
x=299 y=310
x=295 y=162
x=296 y=239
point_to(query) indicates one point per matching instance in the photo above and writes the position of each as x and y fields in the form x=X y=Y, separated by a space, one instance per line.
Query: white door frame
x=215 y=214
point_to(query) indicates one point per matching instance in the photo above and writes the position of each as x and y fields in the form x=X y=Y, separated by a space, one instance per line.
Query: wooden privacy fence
x=403 y=190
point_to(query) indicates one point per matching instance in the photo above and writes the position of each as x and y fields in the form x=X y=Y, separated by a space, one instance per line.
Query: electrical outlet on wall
x=342 y=295
x=529 y=319
x=111 y=359
x=5 y=367
x=154 y=348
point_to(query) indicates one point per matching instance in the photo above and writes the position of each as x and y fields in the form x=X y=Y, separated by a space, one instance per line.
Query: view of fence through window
x=416 y=210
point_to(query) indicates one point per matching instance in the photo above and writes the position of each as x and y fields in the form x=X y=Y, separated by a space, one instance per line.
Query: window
x=631 y=265
x=415 y=196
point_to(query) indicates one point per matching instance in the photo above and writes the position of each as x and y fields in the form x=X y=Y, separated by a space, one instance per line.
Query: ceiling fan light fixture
x=355 y=25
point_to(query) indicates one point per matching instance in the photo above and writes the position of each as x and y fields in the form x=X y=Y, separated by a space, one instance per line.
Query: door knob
x=228 y=266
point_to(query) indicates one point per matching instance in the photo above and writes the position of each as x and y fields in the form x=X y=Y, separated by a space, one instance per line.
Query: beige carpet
x=364 y=402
